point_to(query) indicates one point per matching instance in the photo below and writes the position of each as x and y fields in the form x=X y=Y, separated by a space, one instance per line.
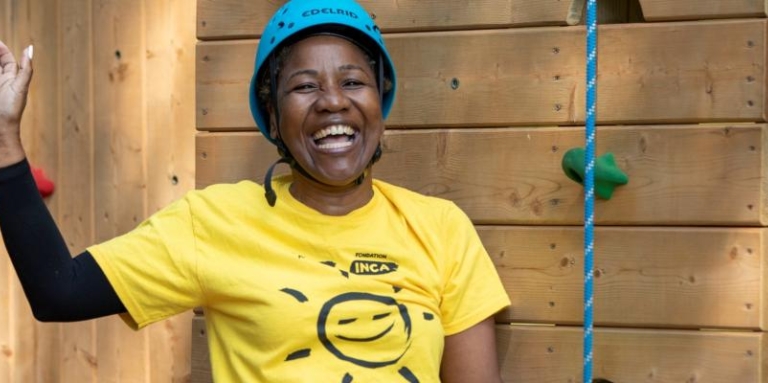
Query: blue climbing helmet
x=298 y=19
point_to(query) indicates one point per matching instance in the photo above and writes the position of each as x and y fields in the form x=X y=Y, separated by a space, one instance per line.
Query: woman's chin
x=339 y=179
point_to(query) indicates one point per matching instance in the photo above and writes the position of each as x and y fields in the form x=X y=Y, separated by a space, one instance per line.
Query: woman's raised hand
x=14 y=86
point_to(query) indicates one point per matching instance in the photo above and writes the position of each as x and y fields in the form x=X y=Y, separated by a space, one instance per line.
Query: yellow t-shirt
x=291 y=295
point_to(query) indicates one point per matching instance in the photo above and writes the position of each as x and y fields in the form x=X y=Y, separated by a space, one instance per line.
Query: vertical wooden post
x=120 y=166
x=78 y=348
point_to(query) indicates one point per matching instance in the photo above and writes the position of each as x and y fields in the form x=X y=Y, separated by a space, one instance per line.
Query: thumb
x=24 y=76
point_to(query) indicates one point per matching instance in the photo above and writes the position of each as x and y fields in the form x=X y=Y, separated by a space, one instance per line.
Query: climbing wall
x=110 y=119
x=491 y=96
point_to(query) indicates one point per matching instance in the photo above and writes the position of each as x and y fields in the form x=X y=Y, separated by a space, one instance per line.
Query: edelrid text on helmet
x=297 y=19
x=337 y=11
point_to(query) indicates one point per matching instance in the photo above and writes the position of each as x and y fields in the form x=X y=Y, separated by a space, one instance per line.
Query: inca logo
x=329 y=11
x=372 y=267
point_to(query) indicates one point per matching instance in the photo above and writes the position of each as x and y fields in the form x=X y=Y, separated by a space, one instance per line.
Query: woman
x=334 y=276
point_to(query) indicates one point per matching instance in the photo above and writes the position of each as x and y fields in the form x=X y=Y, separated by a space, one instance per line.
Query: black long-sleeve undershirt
x=58 y=287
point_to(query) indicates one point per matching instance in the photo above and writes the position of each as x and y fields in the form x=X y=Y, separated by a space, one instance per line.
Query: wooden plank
x=227 y=19
x=763 y=171
x=660 y=10
x=36 y=22
x=23 y=337
x=547 y=354
x=650 y=73
x=5 y=17
x=6 y=348
x=645 y=277
x=170 y=61
x=554 y=354
x=609 y=12
x=230 y=157
x=78 y=353
x=224 y=19
x=514 y=175
x=635 y=12
x=119 y=121
x=170 y=98
x=201 y=360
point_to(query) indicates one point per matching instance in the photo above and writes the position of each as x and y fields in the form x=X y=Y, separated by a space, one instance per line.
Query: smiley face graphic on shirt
x=365 y=329
x=348 y=335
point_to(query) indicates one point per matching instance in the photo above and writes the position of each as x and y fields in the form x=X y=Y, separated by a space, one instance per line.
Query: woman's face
x=330 y=111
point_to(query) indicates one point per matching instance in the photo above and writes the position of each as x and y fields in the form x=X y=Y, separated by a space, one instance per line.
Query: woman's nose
x=332 y=99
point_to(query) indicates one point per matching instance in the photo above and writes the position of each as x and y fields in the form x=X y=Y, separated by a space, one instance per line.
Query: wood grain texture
x=648 y=73
x=36 y=22
x=81 y=86
x=6 y=349
x=543 y=354
x=170 y=48
x=645 y=277
x=679 y=174
x=79 y=359
x=119 y=53
x=230 y=19
x=226 y=19
x=554 y=354
x=201 y=360
x=658 y=10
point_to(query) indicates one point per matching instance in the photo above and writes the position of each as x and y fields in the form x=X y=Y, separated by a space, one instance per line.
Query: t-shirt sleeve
x=153 y=268
x=472 y=289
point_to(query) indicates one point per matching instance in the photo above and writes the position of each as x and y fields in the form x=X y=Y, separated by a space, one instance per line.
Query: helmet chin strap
x=287 y=158
x=285 y=155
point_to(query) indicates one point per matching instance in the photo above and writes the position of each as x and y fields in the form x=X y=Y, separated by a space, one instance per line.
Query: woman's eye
x=304 y=87
x=353 y=83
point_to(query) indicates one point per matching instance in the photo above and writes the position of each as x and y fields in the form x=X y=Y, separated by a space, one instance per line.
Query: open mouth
x=334 y=137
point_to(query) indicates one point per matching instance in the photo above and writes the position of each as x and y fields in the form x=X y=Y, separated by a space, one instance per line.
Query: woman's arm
x=58 y=287
x=470 y=356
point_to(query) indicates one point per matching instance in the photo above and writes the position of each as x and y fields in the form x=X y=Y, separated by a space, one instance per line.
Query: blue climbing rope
x=589 y=188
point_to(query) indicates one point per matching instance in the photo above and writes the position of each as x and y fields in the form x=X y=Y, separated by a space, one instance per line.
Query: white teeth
x=335 y=145
x=334 y=130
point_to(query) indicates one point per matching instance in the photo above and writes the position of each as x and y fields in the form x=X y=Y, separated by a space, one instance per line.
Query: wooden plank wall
x=491 y=95
x=111 y=121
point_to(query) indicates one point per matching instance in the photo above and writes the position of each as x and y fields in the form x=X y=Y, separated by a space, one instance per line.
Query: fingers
x=6 y=57
x=4 y=51
x=21 y=73
x=25 y=74
x=8 y=61
x=26 y=65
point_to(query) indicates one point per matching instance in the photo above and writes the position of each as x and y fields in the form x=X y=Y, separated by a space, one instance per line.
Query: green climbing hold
x=608 y=175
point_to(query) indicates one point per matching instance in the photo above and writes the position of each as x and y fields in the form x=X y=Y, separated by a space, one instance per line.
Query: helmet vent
x=290 y=25
x=273 y=40
x=281 y=24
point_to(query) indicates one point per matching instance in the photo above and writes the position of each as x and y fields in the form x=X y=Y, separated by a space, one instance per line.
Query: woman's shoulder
x=409 y=199
x=222 y=194
x=244 y=186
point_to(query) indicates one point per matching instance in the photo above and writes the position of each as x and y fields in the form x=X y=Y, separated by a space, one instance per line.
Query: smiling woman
x=334 y=276
x=329 y=120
